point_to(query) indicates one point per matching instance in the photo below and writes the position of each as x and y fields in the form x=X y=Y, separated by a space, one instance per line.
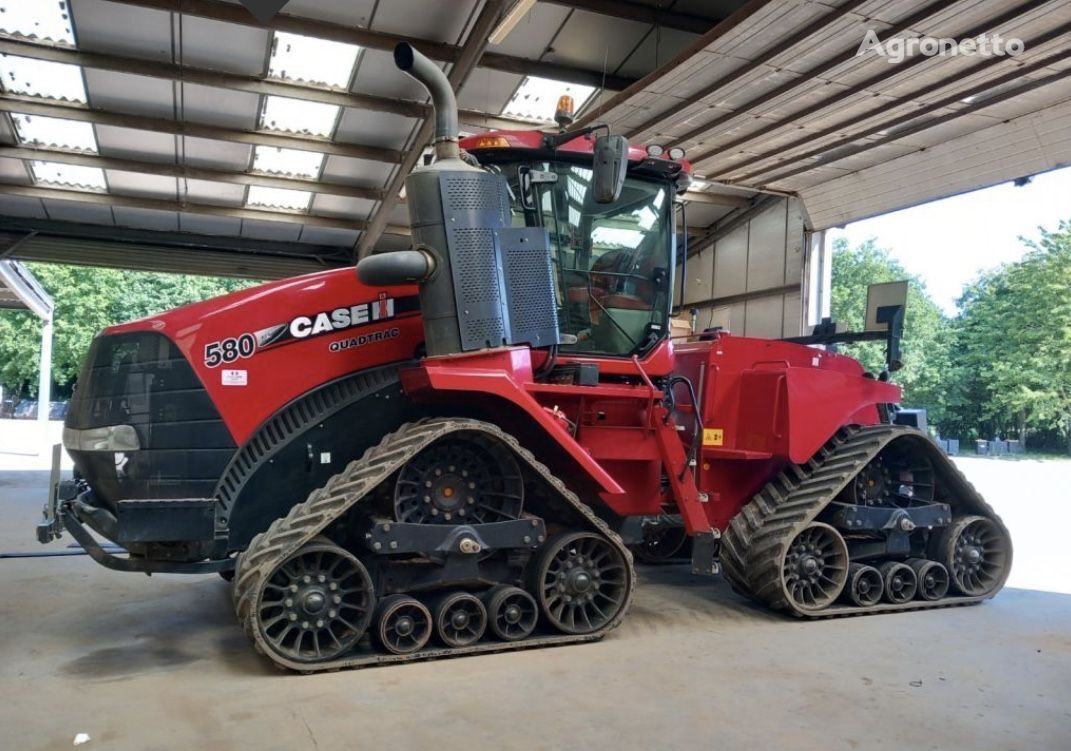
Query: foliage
x=927 y=335
x=1013 y=339
x=87 y=300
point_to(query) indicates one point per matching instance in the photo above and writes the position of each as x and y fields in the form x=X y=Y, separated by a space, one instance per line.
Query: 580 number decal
x=229 y=350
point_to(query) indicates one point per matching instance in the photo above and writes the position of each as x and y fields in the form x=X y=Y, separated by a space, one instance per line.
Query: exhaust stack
x=443 y=100
x=483 y=283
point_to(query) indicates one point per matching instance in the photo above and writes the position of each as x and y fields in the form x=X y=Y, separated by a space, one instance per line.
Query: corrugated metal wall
x=750 y=279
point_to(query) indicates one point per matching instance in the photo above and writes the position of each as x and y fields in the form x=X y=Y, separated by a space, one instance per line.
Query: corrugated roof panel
x=142 y=184
x=42 y=78
x=13 y=171
x=655 y=50
x=361 y=172
x=537 y=98
x=229 y=47
x=68 y=175
x=345 y=207
x=41 y=20
x=71 y=135
x=419 y=19
x=374 y=128
x=306 y=59
x=329 y=236
x=488 y=90
x=130 y=94
x=164 y=221
x=298 y=116
x=347 y=12
x=107 y=27
x=275 y=161
x=128 y=143
x=211 y=192
x=73 y=211
x=268 y=230
x=278 y=198
x=202 y=224
x=205 y=152
x=22 y=206
x=596 y=42
x=224 y=108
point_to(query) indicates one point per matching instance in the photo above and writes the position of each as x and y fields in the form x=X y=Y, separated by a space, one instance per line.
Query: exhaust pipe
x=419 y=67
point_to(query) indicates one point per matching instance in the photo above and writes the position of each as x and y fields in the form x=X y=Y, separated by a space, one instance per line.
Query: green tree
x=927 y=337
x=1014 y=340
x=88 y=300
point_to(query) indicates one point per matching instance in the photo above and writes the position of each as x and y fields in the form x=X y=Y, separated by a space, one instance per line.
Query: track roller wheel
x=865 y=585
x=976 y=552
x=460 y=619
x=317 y=604
x=932 y=578
x=512 y=613
x=900 y=582
x=403 y=624
x=815 y=567
x=581 y=582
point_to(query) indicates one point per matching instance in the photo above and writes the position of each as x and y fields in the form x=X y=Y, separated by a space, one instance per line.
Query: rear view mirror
x=611 y=162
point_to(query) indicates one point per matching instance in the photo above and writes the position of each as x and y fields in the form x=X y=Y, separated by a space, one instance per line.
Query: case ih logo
x=309 y=326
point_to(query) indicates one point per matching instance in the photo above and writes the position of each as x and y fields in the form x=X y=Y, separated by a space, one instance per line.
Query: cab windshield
x=611 y=262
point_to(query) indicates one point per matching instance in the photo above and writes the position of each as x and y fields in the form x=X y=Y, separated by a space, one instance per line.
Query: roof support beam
x=42 y=50
x=34 y=106
x=697 y=196
x=471 y=53
x=191 y=173
x=643 y=13
x=160 y=204
x=234 y=13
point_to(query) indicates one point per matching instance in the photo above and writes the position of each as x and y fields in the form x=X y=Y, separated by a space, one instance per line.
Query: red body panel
x=282 y=370
x=763 y=403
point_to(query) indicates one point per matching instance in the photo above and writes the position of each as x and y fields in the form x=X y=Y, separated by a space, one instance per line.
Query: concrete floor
x=139 y=663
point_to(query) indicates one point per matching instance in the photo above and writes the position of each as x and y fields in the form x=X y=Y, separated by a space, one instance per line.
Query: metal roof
x=183 y=134
x=782 y=100
x=192 y=120
x=20 y=290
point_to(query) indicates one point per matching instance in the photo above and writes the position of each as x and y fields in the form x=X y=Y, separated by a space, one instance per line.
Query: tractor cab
x=612 y=261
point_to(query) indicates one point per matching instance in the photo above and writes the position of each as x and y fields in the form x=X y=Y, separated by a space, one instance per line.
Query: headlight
x=110 y=438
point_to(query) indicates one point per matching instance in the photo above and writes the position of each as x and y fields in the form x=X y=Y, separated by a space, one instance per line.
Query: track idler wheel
x=977 y=553
x=512 y=613
x=865 y=585
x=581 y=582
x=403 y=624
x=815 y=567
x=932 y=578
x=900 y=582
x=460 y=619
x=317 y=604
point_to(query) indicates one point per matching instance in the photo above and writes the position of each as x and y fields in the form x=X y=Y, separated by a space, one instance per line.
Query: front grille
x=142 y=379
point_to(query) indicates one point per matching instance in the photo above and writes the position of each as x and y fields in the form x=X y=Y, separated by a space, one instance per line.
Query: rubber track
x=753 y=547
x=347 y=489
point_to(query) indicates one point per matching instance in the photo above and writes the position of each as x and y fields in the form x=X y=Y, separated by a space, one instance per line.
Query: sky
x=948 y=242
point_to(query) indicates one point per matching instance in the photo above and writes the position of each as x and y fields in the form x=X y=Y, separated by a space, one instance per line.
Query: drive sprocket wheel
x=512 y=613
x=976 y=552
x=581 y=582
x=317 y=604
x=815 y=567
x=462 y=478
x=403 y=624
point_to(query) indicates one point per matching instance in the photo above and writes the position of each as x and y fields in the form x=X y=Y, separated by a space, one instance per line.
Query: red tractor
x=456 y=452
